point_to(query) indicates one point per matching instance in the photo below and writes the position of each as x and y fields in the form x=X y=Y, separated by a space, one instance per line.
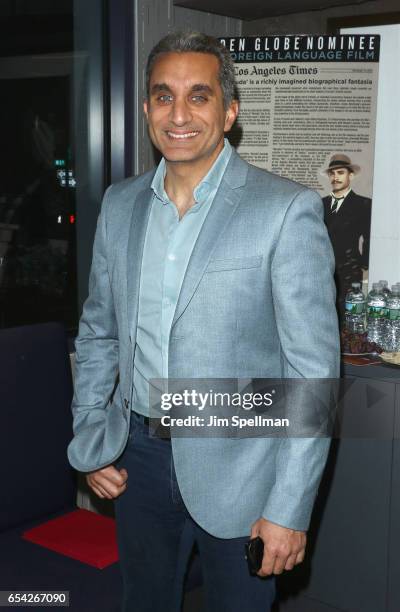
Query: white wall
x=384 y=260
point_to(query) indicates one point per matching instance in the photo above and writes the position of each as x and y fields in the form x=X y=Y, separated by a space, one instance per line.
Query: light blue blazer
x=257 y=301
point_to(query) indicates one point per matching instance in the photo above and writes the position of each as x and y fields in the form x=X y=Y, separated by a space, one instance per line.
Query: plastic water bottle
x=385 y=288
x=393 y=327
x=355 y=309
x=377 y=315
x=384 y=285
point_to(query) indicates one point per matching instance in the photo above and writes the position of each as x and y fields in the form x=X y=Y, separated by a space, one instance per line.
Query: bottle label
x=394 y=314
x=377 y=312
x=355 y=307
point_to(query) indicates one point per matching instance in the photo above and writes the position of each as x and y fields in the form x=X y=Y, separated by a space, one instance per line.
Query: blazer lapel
x=225 y=203
x=137 y=234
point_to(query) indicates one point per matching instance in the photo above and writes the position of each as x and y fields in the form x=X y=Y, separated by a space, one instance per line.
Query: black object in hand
x=254 y=554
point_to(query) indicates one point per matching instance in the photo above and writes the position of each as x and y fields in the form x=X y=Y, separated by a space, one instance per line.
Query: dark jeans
x=156 y=535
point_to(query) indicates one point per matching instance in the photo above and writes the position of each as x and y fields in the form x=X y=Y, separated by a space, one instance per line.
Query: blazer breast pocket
x=235 y=263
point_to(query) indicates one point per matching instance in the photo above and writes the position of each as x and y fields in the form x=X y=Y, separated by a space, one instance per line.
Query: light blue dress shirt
x=168 y=246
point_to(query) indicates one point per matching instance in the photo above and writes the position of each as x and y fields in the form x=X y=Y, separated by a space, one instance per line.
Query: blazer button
x=126 y=402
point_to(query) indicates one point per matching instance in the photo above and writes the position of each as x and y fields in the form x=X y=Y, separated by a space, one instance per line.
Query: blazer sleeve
x=304 y=302
x=96 y=364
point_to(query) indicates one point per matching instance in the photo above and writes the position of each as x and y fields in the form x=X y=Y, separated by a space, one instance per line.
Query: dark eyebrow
x=202 y=87
x=157 y=87
x=160 y=87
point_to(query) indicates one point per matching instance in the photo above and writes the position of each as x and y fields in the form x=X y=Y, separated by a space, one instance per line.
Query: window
x=52 y=156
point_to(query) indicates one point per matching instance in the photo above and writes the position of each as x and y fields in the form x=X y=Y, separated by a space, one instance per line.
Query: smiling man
x=204 y=268
x=187 y=117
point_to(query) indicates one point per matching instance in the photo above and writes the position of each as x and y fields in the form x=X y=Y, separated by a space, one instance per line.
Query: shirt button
x=166 y=302
x=171 y=257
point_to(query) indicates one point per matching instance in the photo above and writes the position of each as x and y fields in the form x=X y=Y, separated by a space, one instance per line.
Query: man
x=206 y=268
x=348 y=219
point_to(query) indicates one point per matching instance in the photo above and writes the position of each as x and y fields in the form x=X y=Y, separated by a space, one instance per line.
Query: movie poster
x=308 y=112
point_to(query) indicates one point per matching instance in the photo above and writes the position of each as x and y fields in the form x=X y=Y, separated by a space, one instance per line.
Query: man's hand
x=283 y=548
x=108 y=482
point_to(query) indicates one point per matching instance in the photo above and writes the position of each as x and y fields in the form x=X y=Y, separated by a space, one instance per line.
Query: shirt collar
x=341 y=197
x=210 y=182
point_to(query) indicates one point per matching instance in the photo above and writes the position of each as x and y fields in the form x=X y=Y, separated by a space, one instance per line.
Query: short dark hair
x=197 y=42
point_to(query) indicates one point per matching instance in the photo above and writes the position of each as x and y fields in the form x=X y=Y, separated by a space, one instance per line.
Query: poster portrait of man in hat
x=348 y=220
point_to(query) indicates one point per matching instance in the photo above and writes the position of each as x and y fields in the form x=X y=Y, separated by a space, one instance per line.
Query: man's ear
x=351 y=176
x=146 y=108
x=230 y=115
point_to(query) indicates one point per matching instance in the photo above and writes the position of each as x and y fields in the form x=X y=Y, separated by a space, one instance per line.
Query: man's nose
x=180 y=112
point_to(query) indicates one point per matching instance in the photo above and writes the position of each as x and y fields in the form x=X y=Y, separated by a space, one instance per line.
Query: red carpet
x=82 y=535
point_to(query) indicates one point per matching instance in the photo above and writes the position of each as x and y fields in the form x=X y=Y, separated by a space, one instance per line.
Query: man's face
x=340 y=179
x=185 y=110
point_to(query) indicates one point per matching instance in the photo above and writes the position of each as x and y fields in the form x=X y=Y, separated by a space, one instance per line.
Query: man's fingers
x=283 y=547
x=106 y=490
x=300 y=557
x=276 y=563
x=104 y=482
x=113 y=475
x=105 y=493
x=279 y=565
x=109 y=488
x=108 y=482
x=283 y=552
x=124 y=474
x=291 y=562
x=268 y=563
x=97 y=488
x=97 y=491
